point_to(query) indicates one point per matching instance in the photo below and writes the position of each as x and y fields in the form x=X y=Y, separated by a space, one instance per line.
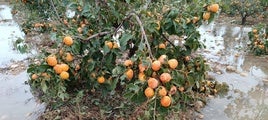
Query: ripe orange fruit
x=51 y=60
x=57 y=68
x=165 y=77
x=142 y=76
x=101 y=79
x=162 y=91
x=80 y=30
x=149 y=92
x=187 y=58
x=61 y=52
x=34 y=76
x=128 y=63
x=64 y=67
x=68 y=40
x=173 y=63
x=152 y=83
x=162 y=59
x=254 y=31
x=109 y=44
x=142 y=67
x=77 y=67
x=115 y=45
x=195 y=19
x=162 y=46
x=213 y=8
x=181 y=89
x=158 y=25
x=68 y=57
x=44 y=74
x=129 y=73
x=156 y=65
x=206 y=15
x=64 y=75
x=165 y=101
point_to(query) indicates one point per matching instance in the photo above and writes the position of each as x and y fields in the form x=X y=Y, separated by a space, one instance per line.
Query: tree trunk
x=244 y=18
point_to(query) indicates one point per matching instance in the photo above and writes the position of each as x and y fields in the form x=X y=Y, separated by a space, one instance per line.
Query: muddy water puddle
x=16 y=99
x=247 y=75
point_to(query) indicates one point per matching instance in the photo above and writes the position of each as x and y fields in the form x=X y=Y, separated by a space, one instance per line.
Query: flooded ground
x=225 y=50
x=246 y=74
x=16 y=100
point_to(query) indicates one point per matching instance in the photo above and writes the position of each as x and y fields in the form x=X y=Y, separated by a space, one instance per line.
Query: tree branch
x=144 y=35
x=57 y=14
x=166 y=39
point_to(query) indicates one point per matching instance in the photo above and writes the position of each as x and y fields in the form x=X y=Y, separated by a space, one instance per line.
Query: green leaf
x=44 y=86
x=124 y=40
x=118 y=70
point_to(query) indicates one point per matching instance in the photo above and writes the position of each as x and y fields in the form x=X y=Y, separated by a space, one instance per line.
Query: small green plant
x=259 y=40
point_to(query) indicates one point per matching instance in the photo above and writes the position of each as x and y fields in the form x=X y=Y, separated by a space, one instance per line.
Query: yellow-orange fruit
x=142 y=67
x=206 y=15
x=57 y=68
x=162 y=91
x=165 y=101
x=165 y=77
x=64 y=67
x=109 y=44
x=64 y=75
x=101 y=79
x=181 y=89
x=128 y=63
x=51 y=60
x=162 y=59
x=149 y=92
x=156 y=65
x=158 y=25
x=173 y=63
x=129 y=73
x=68 y=40
x=34 y=76
x=254 y=31
x=44 y=74
x=115 y=45
x=142 y=76
x=213 y=8
x=162 y=46
x=195 y=19
x=69 y=57
x=77 y=67
x=153 y=83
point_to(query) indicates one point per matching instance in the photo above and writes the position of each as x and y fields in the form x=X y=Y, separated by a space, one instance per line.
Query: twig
x=144 y=35
x=154 y=108
x=167 y=40
x=57 y=14
x=93 y=36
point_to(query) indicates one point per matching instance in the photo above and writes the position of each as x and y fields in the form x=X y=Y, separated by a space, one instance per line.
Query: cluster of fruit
x=59 y=66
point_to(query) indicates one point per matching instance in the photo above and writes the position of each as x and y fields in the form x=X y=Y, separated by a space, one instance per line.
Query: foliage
x=105 y=34
x=245 y=8
x=259 y=39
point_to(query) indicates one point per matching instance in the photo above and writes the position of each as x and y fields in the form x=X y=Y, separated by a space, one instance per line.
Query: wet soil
x=226 y=52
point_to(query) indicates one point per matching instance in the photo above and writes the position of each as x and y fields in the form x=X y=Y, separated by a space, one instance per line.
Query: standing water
x=16 y=100
x=247 y=75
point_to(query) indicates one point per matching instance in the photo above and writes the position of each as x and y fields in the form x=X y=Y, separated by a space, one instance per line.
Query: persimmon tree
x=140 y=50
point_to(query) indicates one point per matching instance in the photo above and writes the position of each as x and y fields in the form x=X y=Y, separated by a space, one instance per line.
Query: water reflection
x=248 y=97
